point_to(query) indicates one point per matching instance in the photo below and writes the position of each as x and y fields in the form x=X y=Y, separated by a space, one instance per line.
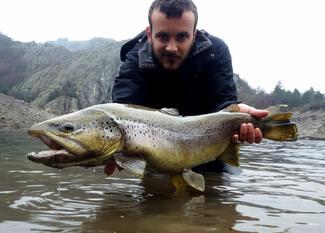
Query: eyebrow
x=183 y=34
x=163 y=33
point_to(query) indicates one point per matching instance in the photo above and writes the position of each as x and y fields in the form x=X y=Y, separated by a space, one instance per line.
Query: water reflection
x=281 y=189
x=159 y=209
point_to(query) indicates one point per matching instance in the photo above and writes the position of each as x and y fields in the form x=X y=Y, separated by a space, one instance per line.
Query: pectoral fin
x=134 y=164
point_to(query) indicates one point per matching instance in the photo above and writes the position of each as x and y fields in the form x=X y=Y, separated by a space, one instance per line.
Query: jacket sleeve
x=129 y=86
x=220 y=77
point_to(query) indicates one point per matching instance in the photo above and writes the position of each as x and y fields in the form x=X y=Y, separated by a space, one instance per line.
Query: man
x=174 y=65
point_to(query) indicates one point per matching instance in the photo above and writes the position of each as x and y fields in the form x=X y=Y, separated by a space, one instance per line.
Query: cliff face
x=56 y=79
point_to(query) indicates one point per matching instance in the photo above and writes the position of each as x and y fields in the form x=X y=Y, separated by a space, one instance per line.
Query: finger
x=250 y=133
x=258 y=135
x=259 y=113
x=243 y=132
x=235 y=138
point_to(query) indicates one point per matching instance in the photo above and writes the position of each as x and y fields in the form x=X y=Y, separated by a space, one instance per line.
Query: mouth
x=56 y=157
x=50 y=143
x=171 y=57
x=60 y=156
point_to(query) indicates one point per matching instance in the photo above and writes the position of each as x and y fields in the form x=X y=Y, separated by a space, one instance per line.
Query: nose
x=172 y=46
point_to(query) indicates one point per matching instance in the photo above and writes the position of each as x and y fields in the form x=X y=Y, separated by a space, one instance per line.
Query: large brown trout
x=137 y=138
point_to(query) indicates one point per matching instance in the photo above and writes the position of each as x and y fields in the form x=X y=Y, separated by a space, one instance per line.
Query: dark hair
x=173 y=9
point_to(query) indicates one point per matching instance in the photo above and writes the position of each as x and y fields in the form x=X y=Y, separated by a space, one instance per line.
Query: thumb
x=259 y=113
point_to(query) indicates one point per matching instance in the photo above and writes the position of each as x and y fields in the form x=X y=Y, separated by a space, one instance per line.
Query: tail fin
x=278 y=127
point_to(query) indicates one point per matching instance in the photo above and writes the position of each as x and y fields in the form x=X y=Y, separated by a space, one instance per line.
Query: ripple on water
x=281 y=189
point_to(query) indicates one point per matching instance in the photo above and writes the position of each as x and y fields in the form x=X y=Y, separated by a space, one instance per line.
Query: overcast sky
x=270 y=40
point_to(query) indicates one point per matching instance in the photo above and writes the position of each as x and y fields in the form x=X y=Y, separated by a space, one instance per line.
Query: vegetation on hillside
x=308 y=100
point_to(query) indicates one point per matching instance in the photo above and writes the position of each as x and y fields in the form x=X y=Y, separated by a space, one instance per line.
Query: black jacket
x=203 y=84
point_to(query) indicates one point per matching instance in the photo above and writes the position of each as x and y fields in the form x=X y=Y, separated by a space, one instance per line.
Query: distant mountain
x=73 y=46
x=55 y=78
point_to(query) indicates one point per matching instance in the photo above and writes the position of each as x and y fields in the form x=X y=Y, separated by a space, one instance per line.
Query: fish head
x=86 y=138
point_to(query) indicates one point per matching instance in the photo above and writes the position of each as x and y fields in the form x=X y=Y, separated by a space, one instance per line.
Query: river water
x=281 y=189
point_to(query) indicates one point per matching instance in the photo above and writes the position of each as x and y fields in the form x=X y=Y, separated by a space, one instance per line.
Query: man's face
x=171 y=38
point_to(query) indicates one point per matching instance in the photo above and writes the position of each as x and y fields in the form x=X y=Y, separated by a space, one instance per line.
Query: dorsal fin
x=231 y=108
x=170 y=111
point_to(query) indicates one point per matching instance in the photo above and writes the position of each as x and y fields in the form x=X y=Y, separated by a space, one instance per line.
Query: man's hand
x=247 y=131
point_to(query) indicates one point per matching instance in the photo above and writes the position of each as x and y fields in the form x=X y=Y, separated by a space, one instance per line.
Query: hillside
x=56 y=79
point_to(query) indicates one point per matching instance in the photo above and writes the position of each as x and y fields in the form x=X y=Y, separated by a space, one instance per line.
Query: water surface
x=281 y=189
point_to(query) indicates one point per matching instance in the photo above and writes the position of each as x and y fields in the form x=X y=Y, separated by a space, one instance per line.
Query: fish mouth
x=50 y=143
x=58 y=156
x=65 y=152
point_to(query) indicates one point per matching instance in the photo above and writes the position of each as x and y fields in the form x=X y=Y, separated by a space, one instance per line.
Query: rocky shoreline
x=311 y=124
x=19 y=115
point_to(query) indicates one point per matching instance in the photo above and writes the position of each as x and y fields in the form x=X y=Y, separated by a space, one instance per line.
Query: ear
x=194 y=36
x=149 y=33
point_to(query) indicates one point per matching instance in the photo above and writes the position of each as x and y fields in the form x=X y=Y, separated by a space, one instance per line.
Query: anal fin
x=231 y=154
x=195 y=180
x=188 y=178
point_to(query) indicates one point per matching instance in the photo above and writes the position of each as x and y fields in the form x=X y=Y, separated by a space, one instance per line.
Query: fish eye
x=67 y=127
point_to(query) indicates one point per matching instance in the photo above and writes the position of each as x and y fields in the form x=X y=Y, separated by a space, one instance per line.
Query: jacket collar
x=146 y=57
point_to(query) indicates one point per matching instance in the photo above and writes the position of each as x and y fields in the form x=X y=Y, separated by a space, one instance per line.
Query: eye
x=181 y=37
x=67 y=127
x=162 y=37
